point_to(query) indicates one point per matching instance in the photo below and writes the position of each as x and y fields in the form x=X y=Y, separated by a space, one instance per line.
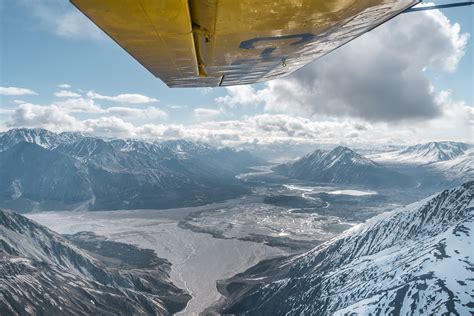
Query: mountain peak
x=343 y=149
x=341 y=165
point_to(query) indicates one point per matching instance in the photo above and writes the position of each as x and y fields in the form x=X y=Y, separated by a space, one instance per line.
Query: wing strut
x=440 y=6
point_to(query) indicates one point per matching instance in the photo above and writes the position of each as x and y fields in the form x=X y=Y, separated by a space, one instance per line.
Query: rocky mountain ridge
x=414 y=260
x=43 y=273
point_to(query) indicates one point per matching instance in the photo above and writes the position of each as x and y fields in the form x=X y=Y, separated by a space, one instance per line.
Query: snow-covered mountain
x=342 y=166
x=29 y=171
x=415 y=260
x=424 y=153
x=69 y=171
x=460 y=168
x=38 y=136
x=43 y=273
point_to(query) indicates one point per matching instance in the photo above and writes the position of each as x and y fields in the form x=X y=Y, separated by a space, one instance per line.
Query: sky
x=408 y=81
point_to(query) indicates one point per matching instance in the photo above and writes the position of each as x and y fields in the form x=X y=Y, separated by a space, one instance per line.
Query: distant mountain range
x=424 y=153
x=342 y=166
x=460 y=168
x=41 y=170
x=450 y=162
x=43 y=273
x=411 y=261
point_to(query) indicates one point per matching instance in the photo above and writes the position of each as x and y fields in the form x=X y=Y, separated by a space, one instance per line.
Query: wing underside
x=207 y=43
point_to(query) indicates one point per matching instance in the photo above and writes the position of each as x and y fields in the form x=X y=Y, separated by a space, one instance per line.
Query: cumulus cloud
x=79 y=105
x=456 y=123
x=64 y=86
x=66 y=94
x=59 y=118
x=160 y=131
x=12 y=91
x=264 y=129
x=50 y=117
x=123 y=98
x=110 y=126
x=241 y=95
x=377 y=77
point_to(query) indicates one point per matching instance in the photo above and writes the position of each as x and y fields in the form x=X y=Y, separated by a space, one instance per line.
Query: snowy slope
x=343 y=166
x=460 y=168
x=42 y=273
x=424 y=153
x=38 y=136
x=415 y=260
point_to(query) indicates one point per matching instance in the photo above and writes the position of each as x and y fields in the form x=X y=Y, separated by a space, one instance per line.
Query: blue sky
x=48 y=43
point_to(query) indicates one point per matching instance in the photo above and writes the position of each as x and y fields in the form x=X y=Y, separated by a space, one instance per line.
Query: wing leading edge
x=207 y=43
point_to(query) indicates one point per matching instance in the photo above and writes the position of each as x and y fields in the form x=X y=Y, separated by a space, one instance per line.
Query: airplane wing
x=208 y=43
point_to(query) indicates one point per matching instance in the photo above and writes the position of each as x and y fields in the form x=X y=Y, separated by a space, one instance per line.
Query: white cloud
x=175 y=106
x=160 y=131
x=18 y=101
x=241 y=95
x=84 y=105
x=455 y=123
x=66 y=94
x=110 y=126
x=205 y=113
x=378 y=77
x=79 y=105
x=123 y=98
x=64 y=86
x=88 y=107
x=10 y=91
x=50 y=117
x=149 y=112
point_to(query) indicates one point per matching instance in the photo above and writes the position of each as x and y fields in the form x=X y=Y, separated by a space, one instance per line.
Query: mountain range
x=43 y=273
x=424 y=153
x=41 y=170
x=415 y=260
x=342 y=166
x=448 y=163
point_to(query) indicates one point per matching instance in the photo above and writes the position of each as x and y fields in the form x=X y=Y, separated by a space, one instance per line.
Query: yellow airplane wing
x=208 y=43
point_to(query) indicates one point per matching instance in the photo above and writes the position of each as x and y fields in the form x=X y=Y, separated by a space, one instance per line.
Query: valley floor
x=213 y=242
x=198 y=260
